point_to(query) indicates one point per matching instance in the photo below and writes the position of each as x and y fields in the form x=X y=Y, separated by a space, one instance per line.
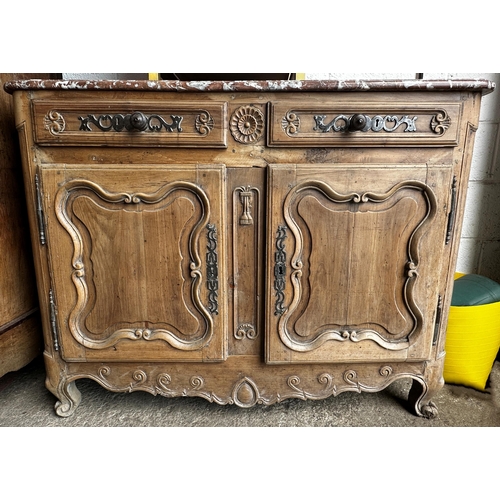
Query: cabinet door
x=136 y=258
x=354 y=262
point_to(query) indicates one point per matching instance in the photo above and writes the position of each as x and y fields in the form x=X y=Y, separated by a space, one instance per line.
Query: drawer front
x=366 y=124
x=129 y=124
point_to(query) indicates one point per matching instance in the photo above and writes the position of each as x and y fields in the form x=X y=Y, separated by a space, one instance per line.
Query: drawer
x=366 y=124
x=130 y=124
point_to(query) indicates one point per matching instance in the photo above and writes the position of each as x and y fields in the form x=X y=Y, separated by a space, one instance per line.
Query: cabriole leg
x=424 y=389
x=65 y=391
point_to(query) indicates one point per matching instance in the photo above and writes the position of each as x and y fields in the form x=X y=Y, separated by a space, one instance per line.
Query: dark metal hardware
x=357 y=122
x=138 y=121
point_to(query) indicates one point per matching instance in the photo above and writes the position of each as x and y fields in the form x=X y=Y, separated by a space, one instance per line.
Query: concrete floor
x=194 y=448
x=25 y=402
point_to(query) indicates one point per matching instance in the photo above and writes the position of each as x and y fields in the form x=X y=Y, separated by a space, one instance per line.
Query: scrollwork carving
x=54 y=122
x=247 y=124
x=386 y=371
x=440 y=122
x=290 y=123
x=204 y=123
x=246 y=331
x=245 y=391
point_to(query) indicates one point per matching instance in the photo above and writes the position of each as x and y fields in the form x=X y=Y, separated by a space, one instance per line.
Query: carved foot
x=69 y=399
x=57 y=383
x=423 y=390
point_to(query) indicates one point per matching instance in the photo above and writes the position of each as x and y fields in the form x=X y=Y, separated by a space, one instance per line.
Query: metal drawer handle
x=138 y=121
x=357 y=122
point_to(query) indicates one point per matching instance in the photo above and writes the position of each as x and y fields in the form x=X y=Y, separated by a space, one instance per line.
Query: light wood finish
x=243 y=244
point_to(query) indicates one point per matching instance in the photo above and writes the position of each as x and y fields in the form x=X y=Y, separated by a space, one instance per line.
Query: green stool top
x=474 y=290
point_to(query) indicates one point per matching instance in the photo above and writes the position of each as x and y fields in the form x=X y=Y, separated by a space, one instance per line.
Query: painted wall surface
x=480 y=240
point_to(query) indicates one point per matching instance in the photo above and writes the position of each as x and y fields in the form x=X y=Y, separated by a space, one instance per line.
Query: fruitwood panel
x=133 y=266
x=245 y=259
x=354 y=252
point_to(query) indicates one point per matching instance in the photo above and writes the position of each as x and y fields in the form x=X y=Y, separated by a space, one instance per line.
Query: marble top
x=483 y=86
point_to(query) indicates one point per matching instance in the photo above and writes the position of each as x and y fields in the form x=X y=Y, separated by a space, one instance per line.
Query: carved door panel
x=354 y=261
x=136 y=259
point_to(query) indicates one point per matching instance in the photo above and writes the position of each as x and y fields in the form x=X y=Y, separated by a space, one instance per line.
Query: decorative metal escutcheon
x=212 y=269
x=363 y=123
x=136 y=121
x=280 y=270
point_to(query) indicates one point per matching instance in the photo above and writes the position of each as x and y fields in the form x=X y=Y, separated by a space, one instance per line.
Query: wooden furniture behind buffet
x=20 y=329
x=246 y=242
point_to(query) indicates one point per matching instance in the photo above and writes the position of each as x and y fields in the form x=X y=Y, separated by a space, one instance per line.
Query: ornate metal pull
x=357 y=122
x=138 y=120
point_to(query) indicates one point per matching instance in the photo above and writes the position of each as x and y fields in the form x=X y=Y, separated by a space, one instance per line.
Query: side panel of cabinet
x=136 y=259
x=354 y=261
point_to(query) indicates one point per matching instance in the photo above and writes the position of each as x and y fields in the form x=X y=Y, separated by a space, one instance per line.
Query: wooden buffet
x=246 y=242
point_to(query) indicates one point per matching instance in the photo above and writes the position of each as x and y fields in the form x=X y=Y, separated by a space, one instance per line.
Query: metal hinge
x=53 y=320
x=39 y=210
x=437 y=323
x=453 y=207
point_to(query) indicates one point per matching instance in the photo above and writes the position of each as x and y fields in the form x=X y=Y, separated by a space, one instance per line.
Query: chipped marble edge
x=485 y=86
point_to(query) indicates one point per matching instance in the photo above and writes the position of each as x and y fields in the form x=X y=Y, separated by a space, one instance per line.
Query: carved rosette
x=204 y=123
x=54 y=122
x=247 y=124
x=290 y=123
x=440 y=122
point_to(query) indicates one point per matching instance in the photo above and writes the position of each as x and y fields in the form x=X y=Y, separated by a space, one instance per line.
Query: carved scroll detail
x=204 y=123
x=244 y=391
x=291 y=123
x=54 y=122
x=246 y=330
x=440 y=122
x=247 y=124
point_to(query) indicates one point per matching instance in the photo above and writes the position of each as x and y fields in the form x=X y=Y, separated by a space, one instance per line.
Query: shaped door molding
x=128 y=245
x=328 y=242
